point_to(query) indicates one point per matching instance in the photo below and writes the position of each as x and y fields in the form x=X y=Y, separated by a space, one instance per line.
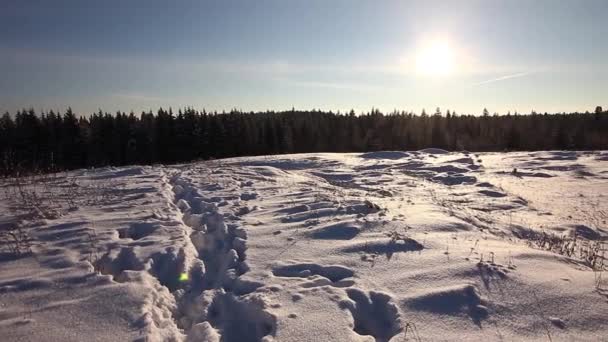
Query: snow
x=379 y=246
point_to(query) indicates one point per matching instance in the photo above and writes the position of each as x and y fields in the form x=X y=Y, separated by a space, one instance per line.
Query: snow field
x=380 y=246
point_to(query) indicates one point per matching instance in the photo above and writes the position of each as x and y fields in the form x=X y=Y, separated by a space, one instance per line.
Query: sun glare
x=435 y=58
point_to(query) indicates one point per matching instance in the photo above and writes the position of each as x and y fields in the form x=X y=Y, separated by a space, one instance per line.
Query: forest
x=48 y=141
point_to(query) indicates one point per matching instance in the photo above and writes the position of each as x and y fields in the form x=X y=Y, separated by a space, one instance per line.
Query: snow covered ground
x=380 y=246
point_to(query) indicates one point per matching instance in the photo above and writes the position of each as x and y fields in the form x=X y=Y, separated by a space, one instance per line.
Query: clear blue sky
x=506 y=55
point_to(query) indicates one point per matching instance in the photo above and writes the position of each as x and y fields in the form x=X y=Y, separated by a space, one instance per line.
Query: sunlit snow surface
x=379 y=246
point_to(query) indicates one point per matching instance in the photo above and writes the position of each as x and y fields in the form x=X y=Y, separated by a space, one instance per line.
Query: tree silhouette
x=46 y=141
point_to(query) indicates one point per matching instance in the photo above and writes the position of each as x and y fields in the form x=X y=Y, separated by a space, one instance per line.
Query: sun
x=435 y=58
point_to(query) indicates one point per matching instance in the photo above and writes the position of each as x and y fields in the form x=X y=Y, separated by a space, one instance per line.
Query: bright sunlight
x=435 y=58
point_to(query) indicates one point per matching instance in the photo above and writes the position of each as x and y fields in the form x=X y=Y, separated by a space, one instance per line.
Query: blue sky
x=506 y=55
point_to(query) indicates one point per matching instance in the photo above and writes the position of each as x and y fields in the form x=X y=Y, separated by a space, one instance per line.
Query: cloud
x=502 y=78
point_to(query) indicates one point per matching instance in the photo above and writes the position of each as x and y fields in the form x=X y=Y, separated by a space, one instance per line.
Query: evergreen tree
x=29 y=141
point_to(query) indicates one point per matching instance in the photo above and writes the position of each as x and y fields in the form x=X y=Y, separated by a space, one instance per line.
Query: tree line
x=43 y=141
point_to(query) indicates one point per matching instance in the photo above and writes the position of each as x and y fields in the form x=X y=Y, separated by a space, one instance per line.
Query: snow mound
x=386 y=247
x=338 y=231
x=454 y=179
x=453 y=300
x=433 y=151
x=392 y=155
x=579 y=231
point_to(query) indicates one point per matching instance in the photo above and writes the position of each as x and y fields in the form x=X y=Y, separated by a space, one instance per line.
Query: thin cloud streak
x=191 y=64
x=507 y=77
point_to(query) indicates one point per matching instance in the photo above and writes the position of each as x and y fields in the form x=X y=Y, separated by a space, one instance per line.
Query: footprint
x=241 y=319
x=114 y=264
x=167 y=266
x=491 y=193
x=137 y=231
x=374 y=314
x=234 y=314
x=247 y=196
x=334 y=273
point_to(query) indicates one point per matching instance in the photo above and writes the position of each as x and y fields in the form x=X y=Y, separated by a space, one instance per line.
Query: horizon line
x=294 y=109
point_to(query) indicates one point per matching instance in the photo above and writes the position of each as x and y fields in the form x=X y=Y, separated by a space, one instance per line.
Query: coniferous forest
x=57 y=141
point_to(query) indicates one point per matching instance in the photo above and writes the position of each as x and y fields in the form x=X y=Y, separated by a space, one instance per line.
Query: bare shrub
x=100 y=192
x=592 y=253
x=40 y=195
x=411 y=332
x=396 y=236
x=14 y=239
x=50 y=195
x=93 y=249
